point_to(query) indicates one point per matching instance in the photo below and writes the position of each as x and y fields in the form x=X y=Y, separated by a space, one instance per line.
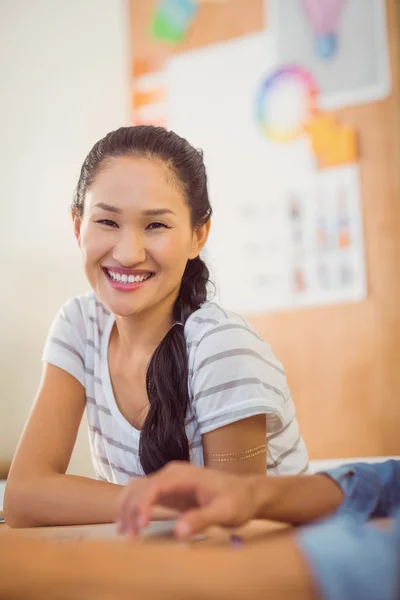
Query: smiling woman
x=164 y=374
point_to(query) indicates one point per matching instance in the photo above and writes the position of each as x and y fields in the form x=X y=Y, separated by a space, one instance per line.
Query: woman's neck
x=141 y=334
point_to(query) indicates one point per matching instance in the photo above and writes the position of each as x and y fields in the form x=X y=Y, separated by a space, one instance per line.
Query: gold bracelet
x=235 y=456
x=224 y=454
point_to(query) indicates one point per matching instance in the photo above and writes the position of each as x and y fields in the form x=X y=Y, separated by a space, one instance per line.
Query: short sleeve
x=65 y=344
x=235 y=375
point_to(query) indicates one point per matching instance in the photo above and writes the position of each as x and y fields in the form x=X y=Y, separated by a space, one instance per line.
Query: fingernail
x=182 y=529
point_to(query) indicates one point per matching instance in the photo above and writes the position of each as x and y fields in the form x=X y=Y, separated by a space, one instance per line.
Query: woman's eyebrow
x=108 y=207
x=151 y=212
x=157 y=211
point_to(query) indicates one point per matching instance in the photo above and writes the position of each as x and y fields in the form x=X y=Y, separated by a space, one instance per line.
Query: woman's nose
x=130 y=249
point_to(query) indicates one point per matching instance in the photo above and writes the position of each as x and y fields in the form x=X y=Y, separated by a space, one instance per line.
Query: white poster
x=343 y=43
x=283 y=233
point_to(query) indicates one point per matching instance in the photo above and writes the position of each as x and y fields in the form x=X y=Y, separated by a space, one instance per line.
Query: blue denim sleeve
x=370 y=490
x=350 y=560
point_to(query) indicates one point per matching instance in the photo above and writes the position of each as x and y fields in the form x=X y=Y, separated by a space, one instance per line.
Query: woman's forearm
x=60 y=500
x=297 y=499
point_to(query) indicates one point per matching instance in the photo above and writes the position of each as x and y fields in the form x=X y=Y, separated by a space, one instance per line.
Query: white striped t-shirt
x=233 y=375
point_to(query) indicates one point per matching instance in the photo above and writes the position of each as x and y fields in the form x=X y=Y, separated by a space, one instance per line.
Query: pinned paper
x=293 y=232
x=332 y=144
x=172 y=19
x=324 y=17
x=344 y=43
x=149 y=93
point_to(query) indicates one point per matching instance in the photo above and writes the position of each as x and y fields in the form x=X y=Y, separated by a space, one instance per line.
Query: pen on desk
x=236 y=541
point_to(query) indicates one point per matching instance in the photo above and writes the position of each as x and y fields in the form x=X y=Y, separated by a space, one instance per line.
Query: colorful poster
x=343 y=43
x=298 y=245
x=284 y=233
x=172 y=18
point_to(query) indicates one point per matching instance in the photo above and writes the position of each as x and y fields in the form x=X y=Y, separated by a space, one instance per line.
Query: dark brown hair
x=163 y=437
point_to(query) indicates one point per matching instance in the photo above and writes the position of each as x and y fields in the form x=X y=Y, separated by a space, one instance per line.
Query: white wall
x=65 y=71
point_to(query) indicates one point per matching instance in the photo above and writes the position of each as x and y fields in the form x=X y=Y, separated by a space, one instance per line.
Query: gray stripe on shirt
x=103 y=308
x=235 y=384
x=242 y=413
x=78 y=304
x=191 y=345
x=196 y=444
x=288 y=398
x=237 y=352
x=113 y=442
x=114 y=467
x=228 y=326
x=90 y=372
x=208 y=320
x=277 y=461
x=274 y=435
x=66 y=346
x=219 y=308
x=101 y=408
x=236 y=315
x=92 y=345
x=65 y=317
x=95 y=322
x=304 y=469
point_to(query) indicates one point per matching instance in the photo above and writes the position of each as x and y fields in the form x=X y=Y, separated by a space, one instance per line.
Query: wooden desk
x=215 y=536
x=38 y=564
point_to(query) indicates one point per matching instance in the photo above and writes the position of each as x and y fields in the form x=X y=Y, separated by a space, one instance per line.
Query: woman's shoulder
x=211 y=319
x=84 y=310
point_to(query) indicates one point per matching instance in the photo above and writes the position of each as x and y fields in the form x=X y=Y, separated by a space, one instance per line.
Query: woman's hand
x=204 y=497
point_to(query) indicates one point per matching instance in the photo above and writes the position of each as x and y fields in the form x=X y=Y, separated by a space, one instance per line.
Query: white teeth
x=127 y=278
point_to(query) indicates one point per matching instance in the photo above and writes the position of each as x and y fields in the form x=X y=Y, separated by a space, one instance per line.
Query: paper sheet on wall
x=343 y=43
x=283 y=233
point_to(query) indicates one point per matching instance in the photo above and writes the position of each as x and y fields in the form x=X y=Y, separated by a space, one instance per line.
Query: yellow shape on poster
x=332 y=144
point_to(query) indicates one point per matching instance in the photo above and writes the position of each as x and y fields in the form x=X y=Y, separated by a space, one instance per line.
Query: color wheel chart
x=272 y=92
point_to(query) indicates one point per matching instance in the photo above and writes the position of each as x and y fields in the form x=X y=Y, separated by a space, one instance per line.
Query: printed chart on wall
x=285 y=233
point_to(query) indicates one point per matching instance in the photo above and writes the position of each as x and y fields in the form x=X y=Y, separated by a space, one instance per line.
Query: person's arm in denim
x=352 y=561
x=369 y=490
x=349 y=559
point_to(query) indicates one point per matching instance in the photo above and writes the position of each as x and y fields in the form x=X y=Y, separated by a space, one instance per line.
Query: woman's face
x=136 y=236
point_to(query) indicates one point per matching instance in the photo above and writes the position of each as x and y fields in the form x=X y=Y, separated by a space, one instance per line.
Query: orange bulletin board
x=215 y=22
x=342 y=362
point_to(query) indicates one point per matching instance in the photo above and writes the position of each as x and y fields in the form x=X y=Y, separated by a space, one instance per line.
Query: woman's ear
x=77 y=222
x=200 y=236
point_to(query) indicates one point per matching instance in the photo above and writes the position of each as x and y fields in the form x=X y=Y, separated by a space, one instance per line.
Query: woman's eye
x=157 y=225
x=107 y=222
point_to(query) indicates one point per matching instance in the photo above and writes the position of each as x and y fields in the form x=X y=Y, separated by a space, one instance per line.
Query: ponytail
x=163 y=437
